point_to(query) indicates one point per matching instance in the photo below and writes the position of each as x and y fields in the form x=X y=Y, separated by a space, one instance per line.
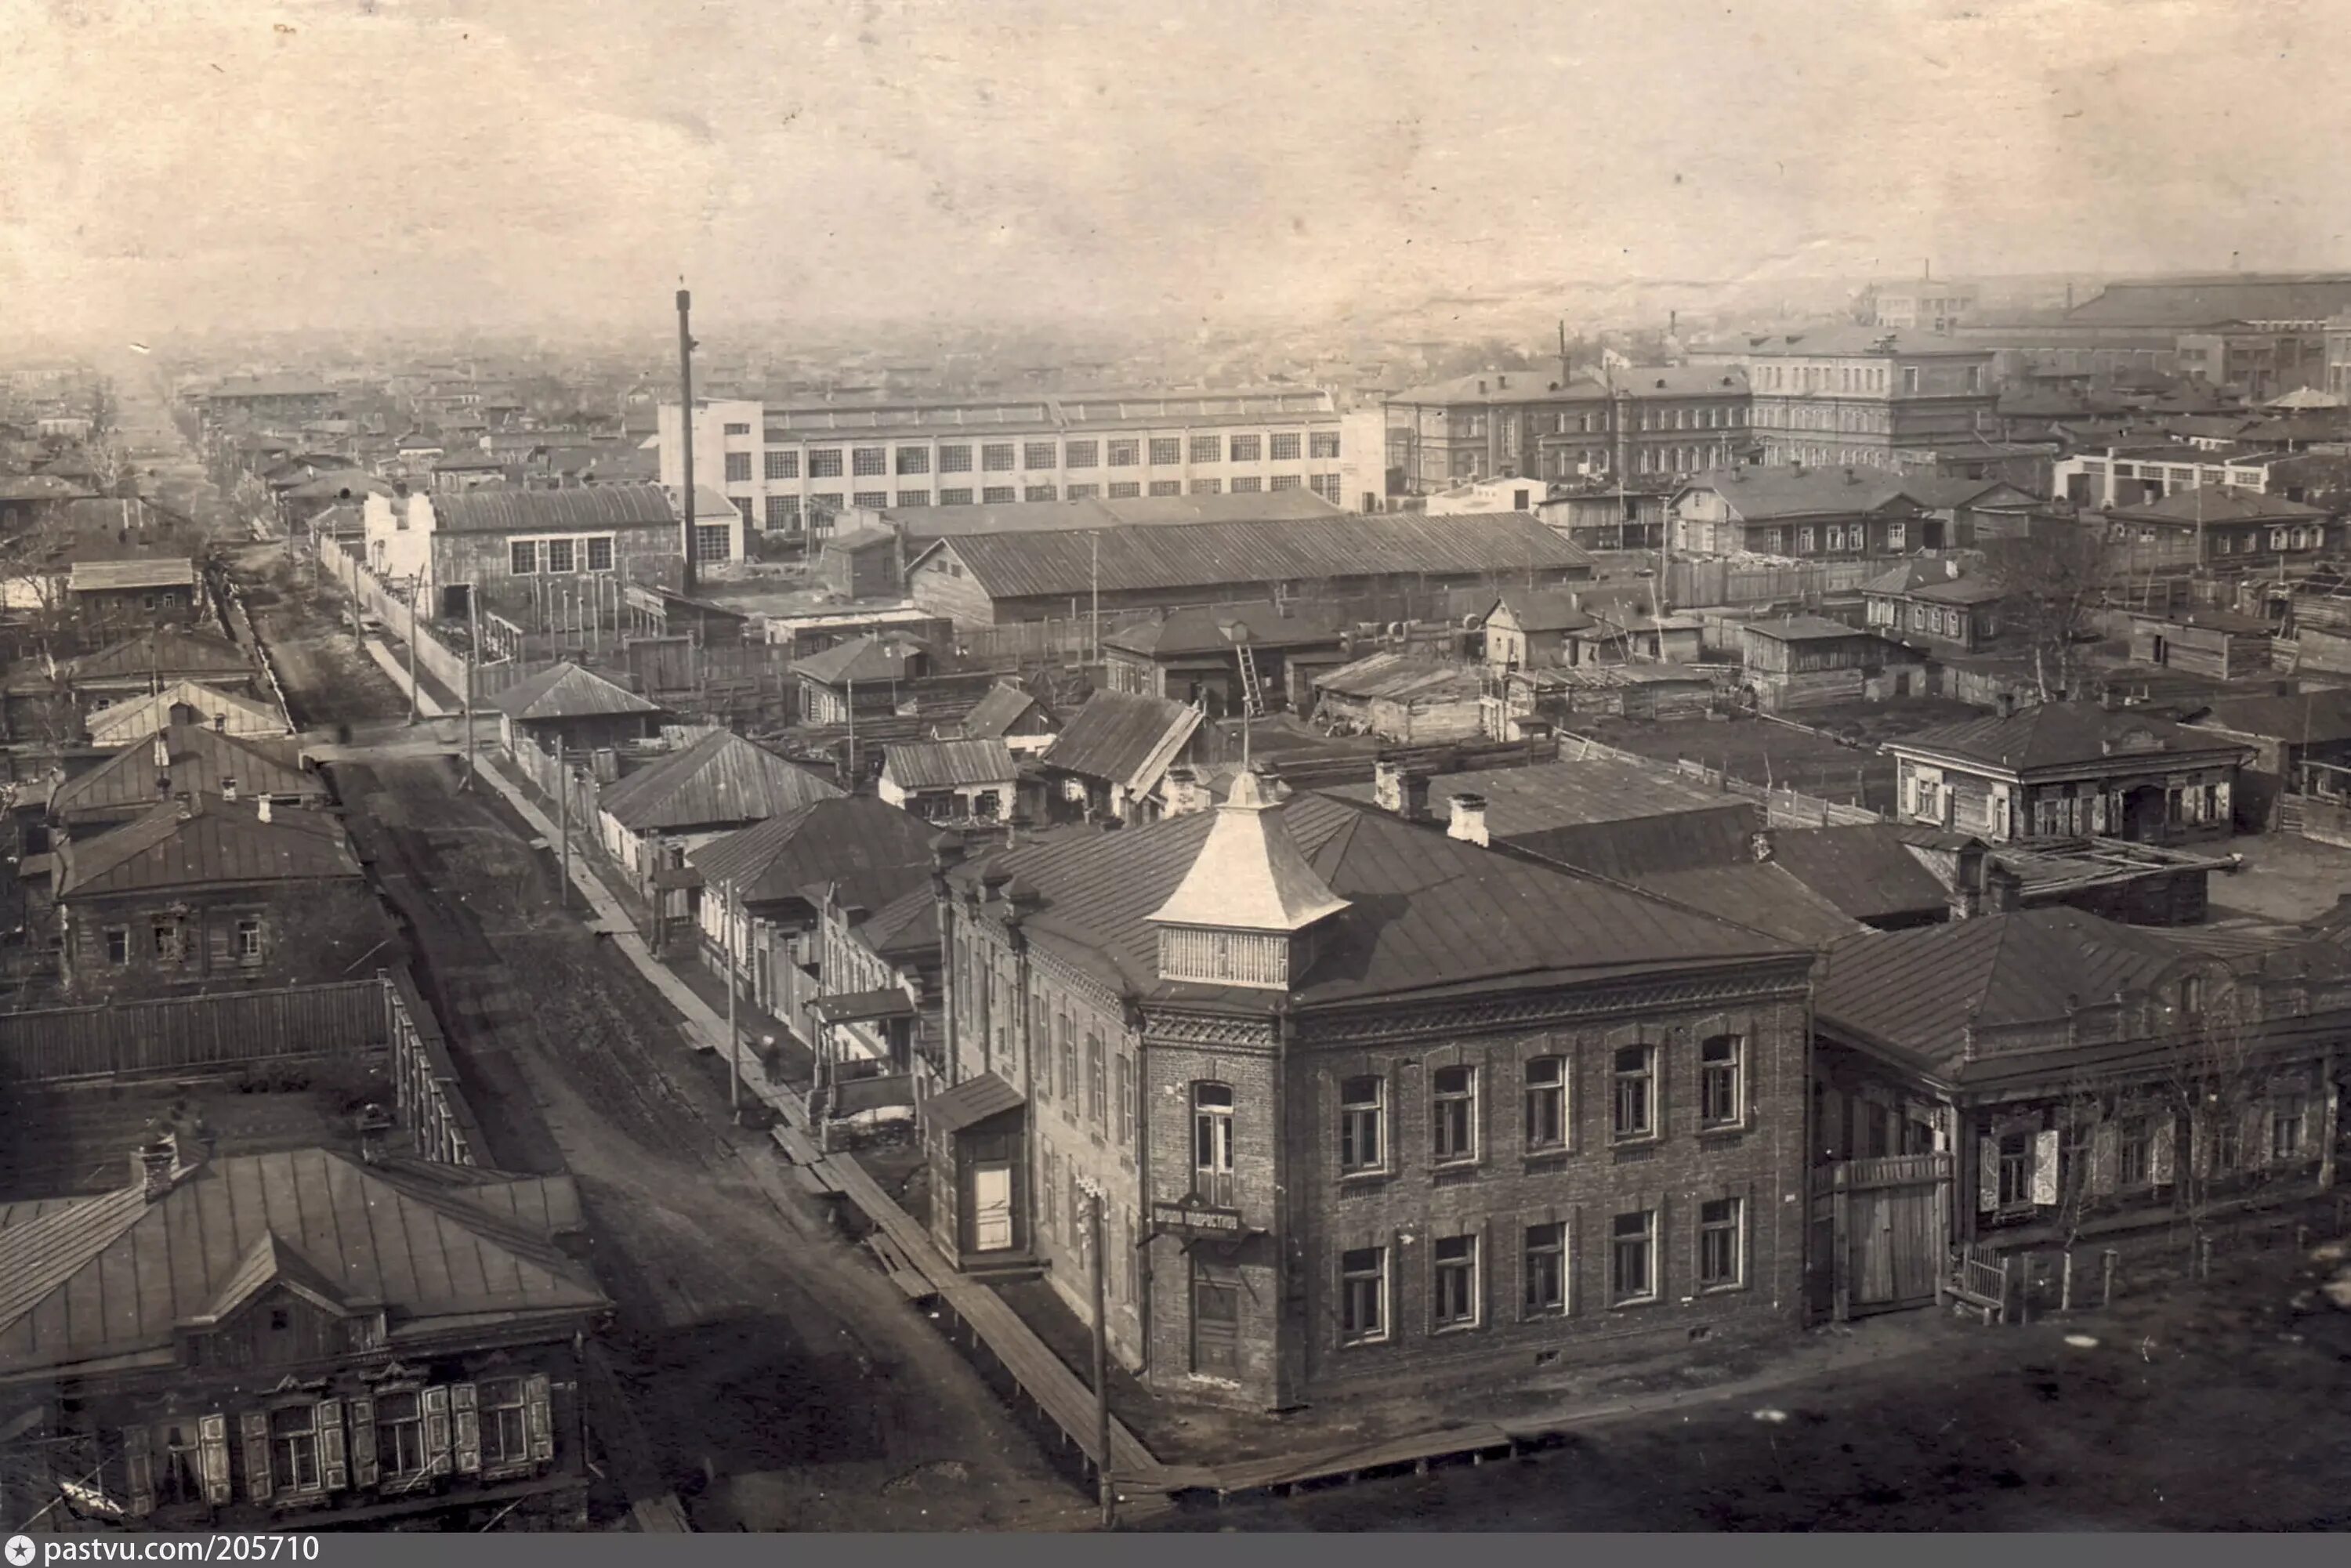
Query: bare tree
x=2215 y=1073
x=2055 y=575
x=105 y=409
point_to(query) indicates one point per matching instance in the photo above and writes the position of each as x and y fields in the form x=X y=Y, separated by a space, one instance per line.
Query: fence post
x=2065 y=1288
x=2203 y=1257
x=2111 y=1259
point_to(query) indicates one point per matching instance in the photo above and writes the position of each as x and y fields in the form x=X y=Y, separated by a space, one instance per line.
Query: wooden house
x=950 y=780
x=1935 y=605
x=1110 y=759
x=571 y=709
x=1404 y=698
x=1806 y=661
x=2216 y=643
x=1220 y=656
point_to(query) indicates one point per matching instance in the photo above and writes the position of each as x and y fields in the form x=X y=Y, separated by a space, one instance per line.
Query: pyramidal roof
x=1250 y=874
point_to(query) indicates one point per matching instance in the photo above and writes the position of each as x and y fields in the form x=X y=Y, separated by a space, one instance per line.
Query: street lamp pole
x=1099 y=1237
x=734 y=1035
x=415 y=588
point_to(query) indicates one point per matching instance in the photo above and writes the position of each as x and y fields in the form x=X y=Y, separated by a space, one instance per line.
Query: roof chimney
x=154 y=1162
x=1967 y=882
x=163 y=751
x=1503 y=382
x=2005 y=704
x=1468 y=820
x=220 y=722
x=1185 y=794
x=262 y=807
x=374 y=1126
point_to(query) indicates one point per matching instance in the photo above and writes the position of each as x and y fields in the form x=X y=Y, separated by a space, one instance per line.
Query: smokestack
x=685 y=422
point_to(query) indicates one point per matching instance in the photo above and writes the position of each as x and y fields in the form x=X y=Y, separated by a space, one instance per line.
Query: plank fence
x=177 y=1035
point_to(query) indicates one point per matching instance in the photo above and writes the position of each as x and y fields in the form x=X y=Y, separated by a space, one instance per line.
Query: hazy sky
x=394 y=162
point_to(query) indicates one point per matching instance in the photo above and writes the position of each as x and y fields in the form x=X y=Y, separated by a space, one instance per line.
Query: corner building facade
x=1380 y=1110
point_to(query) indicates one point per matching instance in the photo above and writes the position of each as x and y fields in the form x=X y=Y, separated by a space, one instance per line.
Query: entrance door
x=1883 y=1223
x=991 y=1207
x=2144 y=812
x=1216 y=1320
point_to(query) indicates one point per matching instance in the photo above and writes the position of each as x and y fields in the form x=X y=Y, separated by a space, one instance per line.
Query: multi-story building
x=790 y=468
x=1666 y=420
x=1922 y=304
x=1364 y=1105
x=1857 y=394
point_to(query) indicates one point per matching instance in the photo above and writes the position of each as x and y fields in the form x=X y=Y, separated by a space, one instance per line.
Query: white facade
x=781 y=466
x=399 y=538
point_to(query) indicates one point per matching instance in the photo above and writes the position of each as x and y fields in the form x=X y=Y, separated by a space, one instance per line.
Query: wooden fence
x=193 y=1034
x=1690 y=583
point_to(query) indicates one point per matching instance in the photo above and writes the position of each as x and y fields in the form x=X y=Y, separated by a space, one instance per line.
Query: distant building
x=950 y=780
x=1109 y=760
x=1503 y=424
x=1851 y=512
x=1855 y=395
x=572 y=710
x=1924 y=304
x=790 y=467
x=1935 y=605
x=1808 y=661
x=501 y=548
x=1215 y=655
x=2221 y=529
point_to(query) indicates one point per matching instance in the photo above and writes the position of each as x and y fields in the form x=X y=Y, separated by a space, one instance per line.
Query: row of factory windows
x=1038 y=456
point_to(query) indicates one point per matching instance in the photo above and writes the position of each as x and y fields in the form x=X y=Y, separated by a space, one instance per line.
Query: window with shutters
x=294 y=1450
x=1546 y=1104
x=1126 y=1101
x=1363 y=1114
x=1364 y=1295
x=505 y=1423
x=1453 y=1302
x=1097 y=1075
x=1632 y=1103
x=2287 y=1114
x=2134 y=1152
x=2015 y=1156
x=1632 y=1257
x=400 y=1453
x=1453 y=1107
x=1544 y=1270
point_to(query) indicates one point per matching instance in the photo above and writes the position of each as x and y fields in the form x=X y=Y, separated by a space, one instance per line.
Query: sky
x=239 y=163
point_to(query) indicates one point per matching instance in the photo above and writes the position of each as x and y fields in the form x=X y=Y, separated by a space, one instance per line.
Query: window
x=1283 y=447
x=712 y=541
x=1546 y=1104
x=996 y=458
x=1632 y=1257
x=1633 y=1109
x=1208 y=487
x=560 y=555
x=400 y=1435
x=248 y=940
x=1122 y=453
x=2227 y=1145
x=1036 y=454
x=869 y=460
x=1325 y=486
x=1069 y=1054
x=1166 y=452
x=1363 y=1116
x=1453 y=1298
x=1207 y=449
x=1247 y=448
x=955 y=497
x=1910 y=379
x=783 y=464
x=783 y=512
x=913 y=498
x=1364 y=1295
x=825 y=503
x=737 y=429
x=600 y=550
x=1545 y=1270
x=955 y=459
x=1125 y=490
x=2015 y=1189
x=522 y=557
x=1046 y=1206
x=1081 y=454
x=1282 y=482
x=294 y=1448
x=1125 y=1101
x=2286 y=1120
x=1322 y=444
x=1721 y=1254
x=825 y=464
x=738 y=466
x=1083 y=492
x=167 y=941
x=118 y=945
x=1721 y=1086
x=1097 y=1086
x=2191 y=993
x=1039 y=493
x=870 y=498
x=1248 y=487
x=914 y=460
x=1453 y=1132
x=505 y=1428
x=1169 y=486
x=1212 y=1143
x=998 y=494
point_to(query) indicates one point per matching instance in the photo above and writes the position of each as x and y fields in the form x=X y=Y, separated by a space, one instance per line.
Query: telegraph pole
x=1104 y=1485
x=734 y=1035
x=685 y=423
x=415 y=587
x=473 y=643
x=562 y=824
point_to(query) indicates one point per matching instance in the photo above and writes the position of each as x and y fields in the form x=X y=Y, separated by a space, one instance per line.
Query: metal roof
x=1120 y=737
x=109 y=576
x=2215 y=301
x=2308 y=717
x=1759 y=494
x=198 y=758
x=948 y=764
x=861 y=659
x=972 y=1100
x=128 y=722
x=114 y=1274
x=993 y=717
x=204 y=841
x=2060 y=735
x=1145 y=511
x=1804 y=629
x=1426 y=913
x=1536 y=609
x=165 y=651
x=2218 y=504
x=584 y=508
x=568 y=691
x=1206 y=629
x=1760 y=895
x=870 y=853
x=1866 y=870
x=1403 y=678
x=721 y=779
x=1310 y=549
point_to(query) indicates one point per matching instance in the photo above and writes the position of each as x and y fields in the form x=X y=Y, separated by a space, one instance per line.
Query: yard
x=1831 y=752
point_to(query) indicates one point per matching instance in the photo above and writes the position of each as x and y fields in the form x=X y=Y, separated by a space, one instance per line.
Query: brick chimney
x=154 y=1162
x=1187 y=795
x=1468 y=820
x=2003 y=889
x=374 y=1126
x=1967 y=882
x=2005 y=704
x=262 y=807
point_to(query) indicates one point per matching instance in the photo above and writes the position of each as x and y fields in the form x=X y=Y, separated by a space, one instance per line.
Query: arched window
x=1212 y=1144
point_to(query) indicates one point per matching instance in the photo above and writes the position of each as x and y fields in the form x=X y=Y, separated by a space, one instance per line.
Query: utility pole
x=1104 y=1485
x=734 y=1035
x=415 y=588
x=1093 y=574
x=685 y=423
x=562 y=824
x=473 y=641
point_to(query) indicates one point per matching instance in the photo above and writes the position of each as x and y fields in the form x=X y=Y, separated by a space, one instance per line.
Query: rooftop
x=1403 y=678
x=167 y=650
x=117 y=576
x=566 y=691
x=1762 y=494
x=2219 y=504
x=926 y=523
x=993 y=717
x=2057 y=735
x=1208 y=629
x=1803 y=628
x=586 y=508
x=874 y=854
x=204 y=841
x=197 y=759
x=2315 y=717
x=914 y=765
x=1123 y=737
x=869 y=659
x=127 y=723
x=719 y=779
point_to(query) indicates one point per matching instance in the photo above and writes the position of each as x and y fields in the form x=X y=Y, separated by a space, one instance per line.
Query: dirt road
x=785 y=1383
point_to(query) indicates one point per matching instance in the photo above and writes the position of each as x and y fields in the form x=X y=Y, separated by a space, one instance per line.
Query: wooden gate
x=1881 y=1227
